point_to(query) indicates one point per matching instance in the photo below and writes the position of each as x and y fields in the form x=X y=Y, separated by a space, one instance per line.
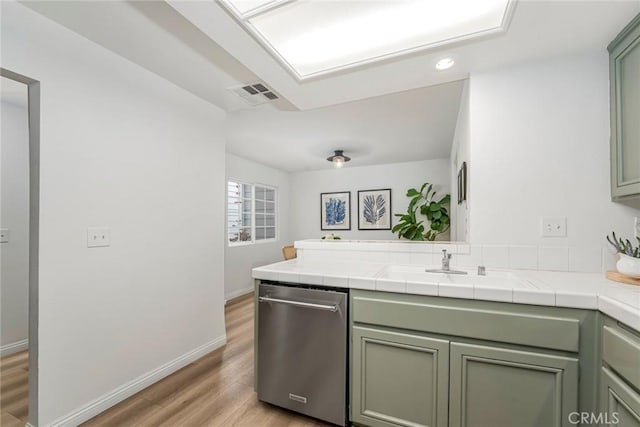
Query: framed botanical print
x=335 y=211
x=374 y=209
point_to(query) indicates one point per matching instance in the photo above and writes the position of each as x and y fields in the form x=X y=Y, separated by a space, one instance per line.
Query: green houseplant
x=629 y=256
x=424 y=206
x=624 y=246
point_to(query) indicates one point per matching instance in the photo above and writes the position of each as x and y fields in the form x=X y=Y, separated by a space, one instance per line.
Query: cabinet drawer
x=621 y=351
x=518 y=325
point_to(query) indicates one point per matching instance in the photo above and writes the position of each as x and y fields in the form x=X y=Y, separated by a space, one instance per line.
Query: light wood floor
x=14 y=372
x=215 y=390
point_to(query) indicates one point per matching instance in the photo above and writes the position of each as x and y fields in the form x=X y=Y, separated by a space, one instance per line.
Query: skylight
x=317 y=37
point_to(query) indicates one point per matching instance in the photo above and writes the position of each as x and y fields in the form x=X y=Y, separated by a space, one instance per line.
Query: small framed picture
x=335 y=211
x=374 y=209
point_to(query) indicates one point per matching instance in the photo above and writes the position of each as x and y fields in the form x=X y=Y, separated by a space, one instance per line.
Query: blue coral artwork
x=335 y=211
x=374 y=209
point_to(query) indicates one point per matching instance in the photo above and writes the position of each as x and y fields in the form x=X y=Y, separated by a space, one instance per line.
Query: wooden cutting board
x=618 y=277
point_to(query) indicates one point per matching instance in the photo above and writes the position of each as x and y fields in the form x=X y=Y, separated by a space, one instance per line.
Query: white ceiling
x=411 y=125
x=152 y=35
x=392 y=111
x=538 y=29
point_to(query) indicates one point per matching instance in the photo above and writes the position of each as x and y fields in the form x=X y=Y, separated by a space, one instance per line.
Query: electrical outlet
x=636 y=226
x=98 y=237
x=554 y=226
x=4 y=235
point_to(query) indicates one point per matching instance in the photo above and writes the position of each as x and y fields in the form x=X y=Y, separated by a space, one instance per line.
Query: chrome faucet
x=446 y=260
x=446 y=265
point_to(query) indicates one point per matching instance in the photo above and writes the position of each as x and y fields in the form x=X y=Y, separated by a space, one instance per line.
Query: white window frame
x=253 y=240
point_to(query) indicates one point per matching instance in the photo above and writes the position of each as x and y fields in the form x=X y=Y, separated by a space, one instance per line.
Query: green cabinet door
x=619 y=402
x=497 y=387
x=398 y=379
x=624 y=78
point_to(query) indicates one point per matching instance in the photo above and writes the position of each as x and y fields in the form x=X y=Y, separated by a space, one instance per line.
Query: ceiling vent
x=254 y=93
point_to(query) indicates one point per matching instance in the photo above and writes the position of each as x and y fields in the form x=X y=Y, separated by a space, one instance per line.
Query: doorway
x=19 y=231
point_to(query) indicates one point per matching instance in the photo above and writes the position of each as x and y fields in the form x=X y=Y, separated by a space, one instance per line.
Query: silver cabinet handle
x=333 y=308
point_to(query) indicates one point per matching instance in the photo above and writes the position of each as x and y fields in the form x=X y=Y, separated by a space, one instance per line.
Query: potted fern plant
x=424 y=205
x=629 y=255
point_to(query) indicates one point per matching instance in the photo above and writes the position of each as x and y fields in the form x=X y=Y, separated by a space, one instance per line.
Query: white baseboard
x=238 y=293
x=14 y=347
x=108 y=400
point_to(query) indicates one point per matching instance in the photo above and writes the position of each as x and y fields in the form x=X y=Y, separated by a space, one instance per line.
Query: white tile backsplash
x=609 y=259
x=523 y=257
x=463 y=248
x=495 y=256
x=421 y=258
x=471 y=259
x=585 y=259
x=450 y=248
x=553 y=258
x=400 y=257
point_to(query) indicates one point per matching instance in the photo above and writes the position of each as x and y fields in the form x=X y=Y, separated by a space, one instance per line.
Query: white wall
x=125 y=149
x=461 y=152
x=14 y=215
x=540 y=147
x=307 y=186
x=239 y=260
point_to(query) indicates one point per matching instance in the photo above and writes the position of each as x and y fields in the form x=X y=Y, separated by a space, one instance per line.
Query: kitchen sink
x=416 y=273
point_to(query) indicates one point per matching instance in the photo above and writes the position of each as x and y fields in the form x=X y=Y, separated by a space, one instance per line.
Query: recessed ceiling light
x=445 y=64
x=313 y=38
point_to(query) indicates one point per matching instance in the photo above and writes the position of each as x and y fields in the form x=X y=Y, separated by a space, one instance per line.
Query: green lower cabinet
x=498 y=387
x=399 y=379
x=620 y=403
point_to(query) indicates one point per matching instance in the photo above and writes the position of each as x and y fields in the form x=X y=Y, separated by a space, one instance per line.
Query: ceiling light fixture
x=314 y=38
x=444 y=64
x=338 y=159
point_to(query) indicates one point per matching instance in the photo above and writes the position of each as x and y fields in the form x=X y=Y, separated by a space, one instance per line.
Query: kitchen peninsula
x=525 y=346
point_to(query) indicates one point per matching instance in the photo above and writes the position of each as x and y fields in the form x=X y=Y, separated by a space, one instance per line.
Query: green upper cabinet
x=624 y=78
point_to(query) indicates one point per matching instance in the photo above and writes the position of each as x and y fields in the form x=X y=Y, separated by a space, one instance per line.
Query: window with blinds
x=251 y=213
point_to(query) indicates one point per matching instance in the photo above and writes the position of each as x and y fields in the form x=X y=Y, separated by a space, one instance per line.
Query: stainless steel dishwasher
x=302 y=350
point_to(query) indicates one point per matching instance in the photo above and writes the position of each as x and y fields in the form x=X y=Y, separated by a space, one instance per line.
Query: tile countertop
x=575 y=290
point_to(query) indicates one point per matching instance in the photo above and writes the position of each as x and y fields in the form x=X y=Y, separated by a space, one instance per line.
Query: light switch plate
x=98 y=237
x=636 y=226
x=554 y=226
x=4 y=235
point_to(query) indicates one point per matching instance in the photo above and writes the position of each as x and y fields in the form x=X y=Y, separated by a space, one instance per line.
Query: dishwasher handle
x=332 y=308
